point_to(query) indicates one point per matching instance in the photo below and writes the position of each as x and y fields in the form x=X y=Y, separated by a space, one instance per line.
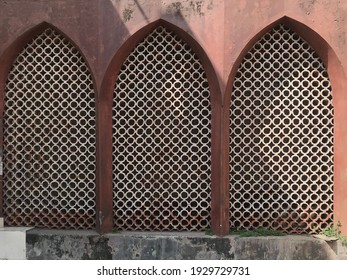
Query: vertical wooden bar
x=104 y=192
x=219 y=156
x=220 y=172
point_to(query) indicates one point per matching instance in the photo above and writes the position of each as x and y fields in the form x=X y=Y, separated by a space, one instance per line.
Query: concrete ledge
x=1 y=222
x=13 y=243
x=291 y=247
x=61 y=244
x=335 y=244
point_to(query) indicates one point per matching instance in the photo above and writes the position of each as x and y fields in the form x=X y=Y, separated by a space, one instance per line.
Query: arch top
x=312 y=37
x=122 y=53
x=10 y=54
x=25 y=37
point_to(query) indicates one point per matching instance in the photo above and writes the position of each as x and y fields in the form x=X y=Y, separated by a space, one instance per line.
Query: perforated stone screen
x=281 y=137
x=49 y=137
x=161 y=138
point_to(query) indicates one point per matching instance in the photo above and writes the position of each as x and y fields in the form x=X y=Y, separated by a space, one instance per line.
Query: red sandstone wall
x=223 y=30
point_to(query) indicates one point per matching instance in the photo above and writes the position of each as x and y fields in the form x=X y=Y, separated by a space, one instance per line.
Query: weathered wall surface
x=54 y=244
x=222 y=28
x=222 y=31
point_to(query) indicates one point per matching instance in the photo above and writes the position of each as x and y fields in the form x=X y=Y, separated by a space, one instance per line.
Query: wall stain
x=307 y=6
x=342 y=39
x=189 y=8
x=127 y=14
x=100 y=248
x=196 y=6
x=210 y=5
x=175 y=9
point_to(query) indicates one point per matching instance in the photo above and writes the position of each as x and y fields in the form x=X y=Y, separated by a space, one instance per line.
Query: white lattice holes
x=281 y=137
x=49 y=137
x=161 y=138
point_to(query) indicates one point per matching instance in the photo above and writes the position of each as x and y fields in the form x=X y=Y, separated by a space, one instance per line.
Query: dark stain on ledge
x=101 y=249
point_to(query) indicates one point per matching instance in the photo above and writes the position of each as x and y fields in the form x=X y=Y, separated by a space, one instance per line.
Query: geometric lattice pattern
x=281 y=137
x=161 y=138
x=49 y=137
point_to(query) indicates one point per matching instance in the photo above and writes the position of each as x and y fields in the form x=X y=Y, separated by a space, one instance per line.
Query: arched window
x=281 y=137
x=49 y=137
x=161 y=138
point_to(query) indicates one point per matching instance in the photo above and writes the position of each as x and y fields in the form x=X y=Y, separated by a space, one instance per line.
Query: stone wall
x=58 y=244
x=220 y=32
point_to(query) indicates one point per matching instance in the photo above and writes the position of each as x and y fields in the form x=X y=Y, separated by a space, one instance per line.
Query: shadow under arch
x=339 y=95
x=8 y=58
x=104 y=124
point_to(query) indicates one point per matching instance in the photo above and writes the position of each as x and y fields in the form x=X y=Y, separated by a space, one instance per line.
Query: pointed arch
x=47 y=89
x=339 y=85
x=122 y=53
x=105 y=119
x=11 y=52
x=315 y=40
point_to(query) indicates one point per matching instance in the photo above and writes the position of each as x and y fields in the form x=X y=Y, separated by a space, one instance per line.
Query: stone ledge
x=325 y=238
x=339 y=248
x=70 y=244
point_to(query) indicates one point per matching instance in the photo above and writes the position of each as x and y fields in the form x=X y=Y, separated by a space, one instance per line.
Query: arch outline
x=8 y=58
x=104 y=125
x=338 y=81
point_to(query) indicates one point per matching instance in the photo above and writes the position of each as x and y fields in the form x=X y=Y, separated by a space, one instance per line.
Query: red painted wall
x=220 y=31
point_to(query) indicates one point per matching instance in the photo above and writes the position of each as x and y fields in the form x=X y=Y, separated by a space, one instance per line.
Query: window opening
x=281 y=137
x=161 y=138
x=49 y=137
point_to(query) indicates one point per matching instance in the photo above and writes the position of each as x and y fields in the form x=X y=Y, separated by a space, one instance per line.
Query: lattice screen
x=161 y=138
x=281 y=137
x=49 y=137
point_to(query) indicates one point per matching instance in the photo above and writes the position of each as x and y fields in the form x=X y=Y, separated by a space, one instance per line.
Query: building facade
x=173 y=115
